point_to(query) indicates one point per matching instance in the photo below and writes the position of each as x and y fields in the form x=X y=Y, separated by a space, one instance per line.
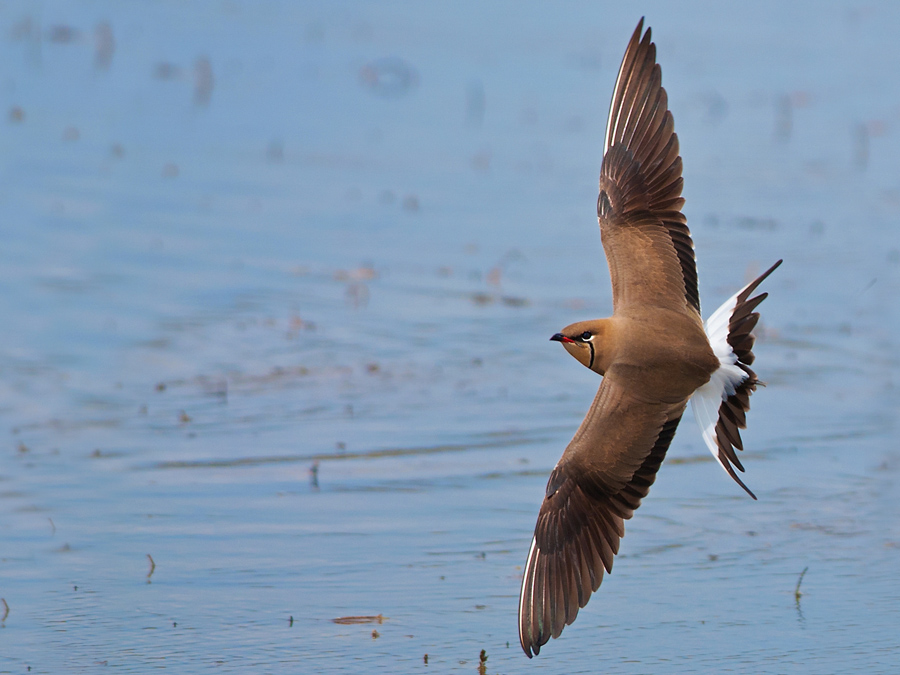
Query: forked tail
x=720 y=406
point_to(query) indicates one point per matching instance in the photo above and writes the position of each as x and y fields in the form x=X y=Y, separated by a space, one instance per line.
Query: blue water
x=277 y=281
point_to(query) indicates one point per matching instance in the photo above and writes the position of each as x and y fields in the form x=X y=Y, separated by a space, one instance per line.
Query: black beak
x=559 y=337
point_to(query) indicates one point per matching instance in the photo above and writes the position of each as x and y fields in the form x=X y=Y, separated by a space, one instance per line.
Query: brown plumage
x=653 y=353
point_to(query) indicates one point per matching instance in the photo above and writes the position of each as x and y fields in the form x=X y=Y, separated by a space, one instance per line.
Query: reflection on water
x=277 y=286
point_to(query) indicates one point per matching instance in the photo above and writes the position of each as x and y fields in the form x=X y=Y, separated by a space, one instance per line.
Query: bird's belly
x=664 y=364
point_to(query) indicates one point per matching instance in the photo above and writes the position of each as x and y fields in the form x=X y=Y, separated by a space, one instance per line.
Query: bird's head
x=584 y=341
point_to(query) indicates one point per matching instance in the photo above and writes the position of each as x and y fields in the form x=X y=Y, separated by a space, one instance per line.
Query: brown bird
x=654 y=353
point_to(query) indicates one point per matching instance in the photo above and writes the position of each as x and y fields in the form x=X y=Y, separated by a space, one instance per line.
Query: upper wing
x=598 y=483
x=648 y=244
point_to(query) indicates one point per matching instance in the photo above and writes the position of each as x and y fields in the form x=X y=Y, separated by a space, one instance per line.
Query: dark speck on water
x=278 y=288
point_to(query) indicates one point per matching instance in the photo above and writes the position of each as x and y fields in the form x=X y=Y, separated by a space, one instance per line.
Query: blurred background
x=276 y=285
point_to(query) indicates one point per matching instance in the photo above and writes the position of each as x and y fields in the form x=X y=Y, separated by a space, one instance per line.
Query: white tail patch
x=707 y=399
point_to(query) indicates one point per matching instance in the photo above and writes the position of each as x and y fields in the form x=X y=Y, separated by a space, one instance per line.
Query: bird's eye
x=586 y=335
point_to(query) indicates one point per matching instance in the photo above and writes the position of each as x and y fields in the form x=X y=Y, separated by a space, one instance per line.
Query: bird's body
x=655 y=355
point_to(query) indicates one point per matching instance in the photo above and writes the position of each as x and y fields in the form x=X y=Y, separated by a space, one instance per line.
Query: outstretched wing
x=647 y=242
x=600 y=480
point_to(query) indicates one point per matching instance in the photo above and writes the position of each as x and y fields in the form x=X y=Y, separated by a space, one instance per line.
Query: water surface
x=277 y=281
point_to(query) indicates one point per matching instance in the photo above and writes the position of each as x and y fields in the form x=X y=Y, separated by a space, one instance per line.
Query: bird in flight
x=655 y=354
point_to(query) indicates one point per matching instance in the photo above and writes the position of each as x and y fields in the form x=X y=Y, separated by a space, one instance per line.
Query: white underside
x=707 y=399
x=528 y=591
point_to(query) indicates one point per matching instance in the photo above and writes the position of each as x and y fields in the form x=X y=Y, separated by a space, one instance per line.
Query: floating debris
x=481 y=160
x=389 y=77
x=784 y=113
x=104 y=45
x=214 y=386
x=297 y=323
x=784 y=118
x=753 y=223
x=797 y=593
x=275 y=152
x=5 y=611
x=475 y=103
x=203 y=81
x=375 y=635
x=357 y=294
x=166 y=71
x=861 y=146
x=62 y=34
x=24 y=29
x=363 y=273
x=351 y=620
x=152 y=568
x=511 y=301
